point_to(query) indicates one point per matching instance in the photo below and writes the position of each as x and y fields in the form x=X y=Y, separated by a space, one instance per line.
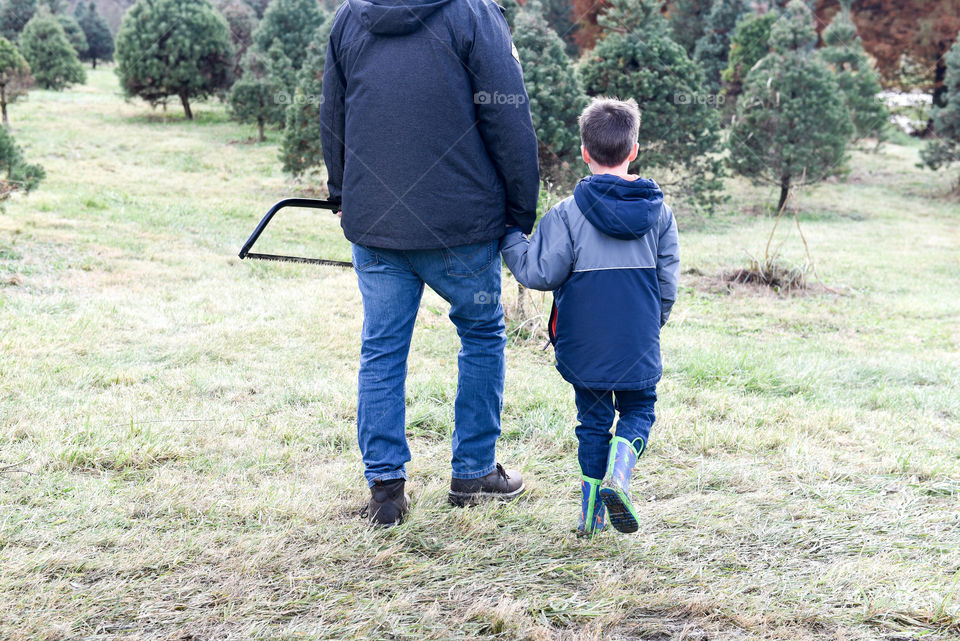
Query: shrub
x=748 y=45
x=713 y=48
x=18 y=174
x=293 y=23
x=556 y=95
x=791 y=120
x=174 y=48
x=944 y=150
x=14 y=76
x=14 y=16
x=99 y=39
x=52 y=59
x=78 y=40
x=680 y=132
x=242 y=20
x=859 y=82
x=261 y=96
x=300 y=150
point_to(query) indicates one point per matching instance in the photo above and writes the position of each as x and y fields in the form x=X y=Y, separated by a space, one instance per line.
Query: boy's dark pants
x=595 y=413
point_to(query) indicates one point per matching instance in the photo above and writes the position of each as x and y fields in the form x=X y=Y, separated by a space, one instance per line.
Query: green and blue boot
x=615 y=487
x=592 y=512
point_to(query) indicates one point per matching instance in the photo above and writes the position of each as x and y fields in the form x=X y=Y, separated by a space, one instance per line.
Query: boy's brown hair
x=609 y=128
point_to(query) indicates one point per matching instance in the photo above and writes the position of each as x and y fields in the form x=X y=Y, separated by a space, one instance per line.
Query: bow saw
x=308 y=203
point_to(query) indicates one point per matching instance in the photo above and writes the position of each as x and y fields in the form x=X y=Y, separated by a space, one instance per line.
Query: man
x=429 y=148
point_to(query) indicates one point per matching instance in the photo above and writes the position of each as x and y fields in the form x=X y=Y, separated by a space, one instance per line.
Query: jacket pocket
x=552 y=325
x=470 y=260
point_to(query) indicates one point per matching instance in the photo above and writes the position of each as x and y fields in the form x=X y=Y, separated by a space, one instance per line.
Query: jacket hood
x=624 y=209
x=394 y=17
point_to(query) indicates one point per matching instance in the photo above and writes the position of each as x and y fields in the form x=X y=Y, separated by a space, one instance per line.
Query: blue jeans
x=391 y=284
x=595 y=413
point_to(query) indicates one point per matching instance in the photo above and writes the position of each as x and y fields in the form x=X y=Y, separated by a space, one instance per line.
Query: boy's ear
x=585 y=154
x=633 y=154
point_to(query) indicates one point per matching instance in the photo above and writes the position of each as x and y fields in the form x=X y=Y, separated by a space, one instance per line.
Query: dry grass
x=180 y=423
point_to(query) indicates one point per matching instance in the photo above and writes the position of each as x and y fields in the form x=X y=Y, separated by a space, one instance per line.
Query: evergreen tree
x=14 y=72
x=78 y=40
x=510 y=10
x=944 y=150
x=259 y=7
x=19 y=174
x=242 y=21
x=14 y=16
x=52 y=59
x=97 y=32
x=859 y=82
x=294 y=23
x=174 y=48
x=300 y=150
x=679 y=136
x=688 y=22
x=713 y=48
x=559 y=15
x=749 y=43
x=791 y=120
x=261 y=96
x=556 y=95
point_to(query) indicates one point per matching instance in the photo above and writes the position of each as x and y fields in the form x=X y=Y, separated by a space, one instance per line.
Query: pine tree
x=259 y=7
x=680 y=132
x=14 y=72
x=713 y=48
x=561 y=18
x=944 y=150
x=19 y=174
x=52 y=59
x=174 y=48
x=78 y=40
x=791 y=120
x=859 y=82
x=300 y=150
x=261 y=96
x=95 y=28
x=14 y=16
x=293 y=23
x=749 y=43
x=556 y=95
x=688 y=22
x=242 y=21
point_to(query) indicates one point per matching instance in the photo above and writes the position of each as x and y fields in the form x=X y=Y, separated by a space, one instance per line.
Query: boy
x=610 y=254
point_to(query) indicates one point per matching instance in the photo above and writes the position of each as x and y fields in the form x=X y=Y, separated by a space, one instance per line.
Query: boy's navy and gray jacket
x=610 y=253
x=425 y=124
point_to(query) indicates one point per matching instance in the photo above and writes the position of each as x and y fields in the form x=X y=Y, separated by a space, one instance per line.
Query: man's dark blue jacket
x=426 y=129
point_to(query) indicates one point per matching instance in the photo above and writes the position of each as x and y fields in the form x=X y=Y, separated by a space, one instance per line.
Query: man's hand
x=340 y=214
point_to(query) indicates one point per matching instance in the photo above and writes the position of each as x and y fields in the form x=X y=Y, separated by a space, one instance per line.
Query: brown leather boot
x=498 y=485
x=388 y=503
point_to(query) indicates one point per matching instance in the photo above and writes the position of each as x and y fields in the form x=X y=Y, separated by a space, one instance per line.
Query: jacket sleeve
x=503 y=114
x=668 y=263
x=545 y=261
x=333 y=121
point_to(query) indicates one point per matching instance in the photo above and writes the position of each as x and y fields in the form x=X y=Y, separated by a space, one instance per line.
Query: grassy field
x=177 y=440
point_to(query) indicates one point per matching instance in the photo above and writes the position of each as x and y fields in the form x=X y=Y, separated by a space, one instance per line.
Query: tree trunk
x=3 y=104
x=784 y=193
x=185 y=101
x=94 y=62
x=260 y=129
